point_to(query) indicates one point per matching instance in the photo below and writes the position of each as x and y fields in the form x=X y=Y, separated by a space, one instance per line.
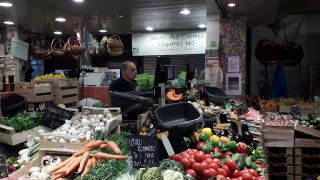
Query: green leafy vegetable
x=23 y=121
x=173 y=165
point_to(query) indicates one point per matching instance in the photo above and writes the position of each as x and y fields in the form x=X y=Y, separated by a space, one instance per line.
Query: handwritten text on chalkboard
x=144 y=151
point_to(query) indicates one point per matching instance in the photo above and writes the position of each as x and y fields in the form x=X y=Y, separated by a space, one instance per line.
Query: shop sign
x=144 y=151
x=169 y=43
x=55 y=116
x=19 y=49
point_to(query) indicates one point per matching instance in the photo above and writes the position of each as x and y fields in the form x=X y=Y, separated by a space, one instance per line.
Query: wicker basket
x=115 y=46
x=73 y=47
x=57 y=45
x=40 y=50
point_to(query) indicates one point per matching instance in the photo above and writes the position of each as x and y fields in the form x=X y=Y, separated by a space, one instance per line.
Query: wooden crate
x=67 y=145
x=65 y=91
x=12 y=138
x=34 y=93
x=307 y=158
x=61 y=153
x=277 y=136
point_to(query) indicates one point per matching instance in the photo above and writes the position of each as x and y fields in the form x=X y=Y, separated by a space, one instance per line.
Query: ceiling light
x=202 y=26
x=6 y=4
x=149 y=28
x=231 y=4
x=60 y=19
x=78 y=1
x=57 y=32
x=102 y=31
x=185 y=12
x=8 y=22
x=119 y=16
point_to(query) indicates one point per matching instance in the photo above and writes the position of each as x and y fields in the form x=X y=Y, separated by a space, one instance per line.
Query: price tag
x=144 y=150
x=55 y=116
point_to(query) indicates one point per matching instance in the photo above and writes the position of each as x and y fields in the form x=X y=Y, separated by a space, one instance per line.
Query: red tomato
x=209 y=173
x=220 y=177
x=192 y=161
x=231 y=164
x=199 y=145
x=222 y=172
x=197 y=167
x=216 y=150
x=204 y=165
x=185 y=154
x=247 y=176
x=194 y=150
x=191 y=172
x=230 y=153
x=185 y=163
x=228 y=178
x=261 y=178
x=227 y=170
x=244 y=171
x=253 y=172
x=177 y=157
x=199 y=156
x=236 y=173
x=191 y=156
x=208 y=156
x=242 y=147
x=239 y=178
x=217 y=161
x=213 y=165
x=208 y=160
x=254 y=177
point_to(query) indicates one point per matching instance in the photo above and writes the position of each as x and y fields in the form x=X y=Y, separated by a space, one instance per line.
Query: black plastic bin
x=182 y=115
x=131 y=104
x=13 y=104
x=215 y=95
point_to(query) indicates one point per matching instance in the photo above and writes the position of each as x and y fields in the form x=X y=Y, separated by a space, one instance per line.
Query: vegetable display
x=276 y=119
x=23 y=121
x=311 y=121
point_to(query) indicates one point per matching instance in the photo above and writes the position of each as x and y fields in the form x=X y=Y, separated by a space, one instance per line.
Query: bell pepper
x=206 y=148
x=216 y=150
x=260 y=164
x=203 y=137
x=219 y=144
x=228 y=153
x=225 y=148
x=233 y=145
x=196 y=136
x=187 y=141
x=242 y=147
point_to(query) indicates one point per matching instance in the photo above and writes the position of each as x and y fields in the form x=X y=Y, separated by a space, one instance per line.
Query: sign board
x=242 y=109
x=144 y=151
x=169 y=43
x=19 y=49
x=55 y=116
x=295 y=110
x=3 y=167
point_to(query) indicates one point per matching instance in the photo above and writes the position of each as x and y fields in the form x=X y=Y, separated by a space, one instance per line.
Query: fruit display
x=221 y=156
x=50 y=76
x=276 y=119
x=311 y=121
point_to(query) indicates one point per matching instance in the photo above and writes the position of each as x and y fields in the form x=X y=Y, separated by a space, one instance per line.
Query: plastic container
x=182 y=115
x=215 y=95
x=132 y=105
x=13 y=104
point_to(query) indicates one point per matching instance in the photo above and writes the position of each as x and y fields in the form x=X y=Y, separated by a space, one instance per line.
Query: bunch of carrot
x=84 y=160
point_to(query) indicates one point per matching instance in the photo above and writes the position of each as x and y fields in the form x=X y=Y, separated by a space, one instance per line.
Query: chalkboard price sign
x=295 y=111
x=55 y=116
x=144 y=151
x=3 y=167
x=242 y=109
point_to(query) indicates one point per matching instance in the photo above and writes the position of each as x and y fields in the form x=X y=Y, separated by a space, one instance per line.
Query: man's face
x=131 y=72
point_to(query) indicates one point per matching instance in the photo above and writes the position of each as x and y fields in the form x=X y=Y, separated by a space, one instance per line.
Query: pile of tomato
x=204 y=166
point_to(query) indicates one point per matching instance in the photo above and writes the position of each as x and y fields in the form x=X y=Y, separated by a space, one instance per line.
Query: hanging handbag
x=57 y=45
x=73 y=47
x=115 y=46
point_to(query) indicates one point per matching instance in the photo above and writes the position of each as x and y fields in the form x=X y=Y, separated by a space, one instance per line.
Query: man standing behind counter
x=126 y=82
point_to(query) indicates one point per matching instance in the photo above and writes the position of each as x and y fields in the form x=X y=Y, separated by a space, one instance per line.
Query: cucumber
x=235 y=157
x=248 y=161
x=254 y=165
x=223 y=161
x=217 y=155
x=240 y=162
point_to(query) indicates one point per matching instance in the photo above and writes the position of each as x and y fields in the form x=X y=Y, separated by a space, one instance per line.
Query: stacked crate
x=278 y=143
x=65 y=91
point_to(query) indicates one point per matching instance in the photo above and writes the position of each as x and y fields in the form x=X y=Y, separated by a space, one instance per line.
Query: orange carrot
x=104 y=146
x=58 y=176
x=101 y=155
x=114 y=147
x=94 y=161
x=60 y=165
x=83 y=162
x=81 y=151
x=87 y=168
x=94 y=144
x=74 y=165
x=63 y=170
